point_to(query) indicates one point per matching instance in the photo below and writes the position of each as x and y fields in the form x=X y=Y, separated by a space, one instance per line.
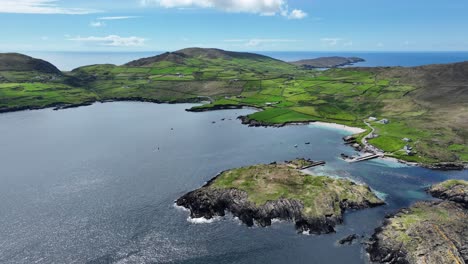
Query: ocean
x=97 y=184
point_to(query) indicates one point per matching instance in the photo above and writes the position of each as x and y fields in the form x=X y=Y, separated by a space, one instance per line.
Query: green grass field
x=320 y=194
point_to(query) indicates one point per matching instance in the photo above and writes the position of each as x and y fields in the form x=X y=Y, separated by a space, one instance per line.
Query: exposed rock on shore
x=428 y=232
x=255 y=123
x=260 y=193
x=214 y=107
x=451 y=190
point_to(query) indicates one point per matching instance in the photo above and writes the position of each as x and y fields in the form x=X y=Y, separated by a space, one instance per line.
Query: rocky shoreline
x=369 y=149
x=211 y=201
x=215 y=107
x=245 y=120
x=428 y=231
x=61 y=106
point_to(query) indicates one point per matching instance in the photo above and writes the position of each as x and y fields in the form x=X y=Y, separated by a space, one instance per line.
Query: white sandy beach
x=354 y=130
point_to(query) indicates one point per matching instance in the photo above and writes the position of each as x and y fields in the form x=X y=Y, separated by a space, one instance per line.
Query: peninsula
x=327 y=62
x=261 y=193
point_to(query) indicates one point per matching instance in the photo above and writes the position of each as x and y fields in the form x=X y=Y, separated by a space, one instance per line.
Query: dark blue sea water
x=89 y=185
x=70 y=60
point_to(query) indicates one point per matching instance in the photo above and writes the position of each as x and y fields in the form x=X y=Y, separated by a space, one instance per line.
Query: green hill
x=189 y=56
x=20 y=62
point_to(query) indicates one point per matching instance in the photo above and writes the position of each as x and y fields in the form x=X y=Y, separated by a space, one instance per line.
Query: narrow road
x=368 y=147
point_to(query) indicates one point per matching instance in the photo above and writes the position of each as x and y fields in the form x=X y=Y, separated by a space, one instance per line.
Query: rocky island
x=428 y=231
x=260 y=193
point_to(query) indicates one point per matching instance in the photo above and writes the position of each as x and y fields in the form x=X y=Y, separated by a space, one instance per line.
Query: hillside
x=185 y=56
x=437 y=102
x=20 y=62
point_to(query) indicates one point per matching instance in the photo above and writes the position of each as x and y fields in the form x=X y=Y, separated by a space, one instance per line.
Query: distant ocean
x=69 y=60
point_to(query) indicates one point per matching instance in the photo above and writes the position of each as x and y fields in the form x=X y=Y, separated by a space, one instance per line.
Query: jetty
x=364 y=157
x=302 y=164
x=314 y=164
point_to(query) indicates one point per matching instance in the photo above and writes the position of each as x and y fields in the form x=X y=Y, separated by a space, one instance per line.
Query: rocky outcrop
x=327 y=198
x=210 y=202
x=348 y=240
x=427 y=232
x=451 y=190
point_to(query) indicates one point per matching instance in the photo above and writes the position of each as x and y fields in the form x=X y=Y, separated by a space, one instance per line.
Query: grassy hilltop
x=425 y=104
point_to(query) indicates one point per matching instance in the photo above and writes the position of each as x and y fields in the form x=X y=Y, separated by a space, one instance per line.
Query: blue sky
x=256 y=25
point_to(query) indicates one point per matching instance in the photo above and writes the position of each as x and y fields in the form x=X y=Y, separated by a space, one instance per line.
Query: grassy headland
x=321 y=195
x=261 y=193
x=424 y=104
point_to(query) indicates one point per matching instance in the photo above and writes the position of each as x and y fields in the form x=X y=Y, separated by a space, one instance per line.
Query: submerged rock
x=260 y=193
x=348 y=240
x=446 y=166
x=427 y=232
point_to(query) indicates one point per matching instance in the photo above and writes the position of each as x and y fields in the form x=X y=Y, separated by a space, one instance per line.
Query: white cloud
x=262 y=7
x=255 y=42
x=116 y=17
x=97 y=24
x=297 y=14
x=331 y=42
x=111 y=40
x=348 y=44
x=40 y=7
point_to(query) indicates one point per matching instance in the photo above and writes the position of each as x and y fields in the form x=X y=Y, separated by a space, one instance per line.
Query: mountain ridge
x=180 y=56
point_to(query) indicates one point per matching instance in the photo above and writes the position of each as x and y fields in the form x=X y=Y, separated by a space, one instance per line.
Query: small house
x=408 y=147
x=407 y=139
x=384 y=121
x=371 y=118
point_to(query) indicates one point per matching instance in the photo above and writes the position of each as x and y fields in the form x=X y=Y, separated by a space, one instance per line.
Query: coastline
x=246 y=121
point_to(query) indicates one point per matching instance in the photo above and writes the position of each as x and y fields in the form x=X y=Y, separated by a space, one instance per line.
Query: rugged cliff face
x=428 y=232
x=260 y=193
x=451 y=190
